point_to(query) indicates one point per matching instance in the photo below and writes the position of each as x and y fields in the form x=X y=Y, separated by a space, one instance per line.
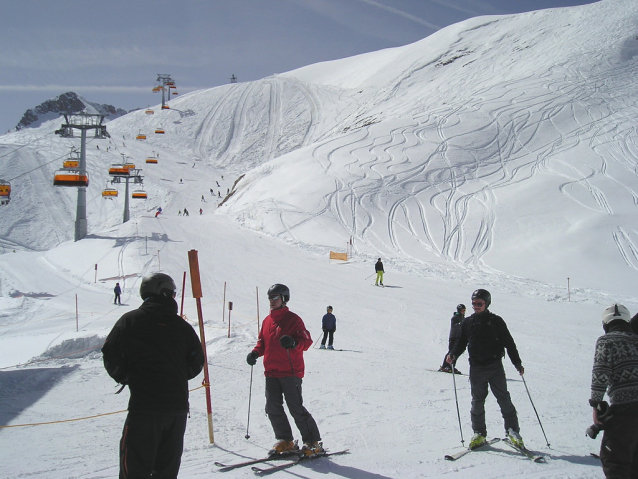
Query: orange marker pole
x=196 y=284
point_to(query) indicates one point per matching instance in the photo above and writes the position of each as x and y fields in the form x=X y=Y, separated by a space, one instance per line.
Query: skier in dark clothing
x=615 y=372
x=486 y=337
x=378 y=267
x=118 y=291
x=155 y=352
x=282 y=341
x=455 y=333
x=329 y=326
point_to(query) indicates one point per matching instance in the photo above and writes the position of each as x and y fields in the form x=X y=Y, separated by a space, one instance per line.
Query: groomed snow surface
x=498 y=153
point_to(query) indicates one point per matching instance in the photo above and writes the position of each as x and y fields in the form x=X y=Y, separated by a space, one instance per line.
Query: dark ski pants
x=117 y=299
x=492 y=375
x=289 y=388
x=450 y=347
x=619 y=447
x=151 y=445
x=328 y=334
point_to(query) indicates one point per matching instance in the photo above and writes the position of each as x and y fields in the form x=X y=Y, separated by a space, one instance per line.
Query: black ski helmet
x=281 y=289
x=484 y=295
x=461 y=307
x=157 y=284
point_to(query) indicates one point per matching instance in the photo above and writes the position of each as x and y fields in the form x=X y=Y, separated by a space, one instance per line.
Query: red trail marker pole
x=193 y=263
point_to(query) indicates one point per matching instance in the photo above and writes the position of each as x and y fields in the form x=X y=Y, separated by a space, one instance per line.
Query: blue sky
x=111 y=52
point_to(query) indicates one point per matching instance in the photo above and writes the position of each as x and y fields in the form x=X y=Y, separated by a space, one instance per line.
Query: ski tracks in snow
x=431 y=184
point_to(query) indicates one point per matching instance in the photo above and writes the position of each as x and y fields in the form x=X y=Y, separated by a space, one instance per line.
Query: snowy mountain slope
x=512 y=172
x=445 y=150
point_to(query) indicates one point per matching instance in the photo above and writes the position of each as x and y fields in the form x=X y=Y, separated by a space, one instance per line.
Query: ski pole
x=456 y=399
x=537 y=417
x=370 y=276
x=250 y=395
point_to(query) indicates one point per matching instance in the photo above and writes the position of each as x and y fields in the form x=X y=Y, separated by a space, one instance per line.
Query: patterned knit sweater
x=615 y=368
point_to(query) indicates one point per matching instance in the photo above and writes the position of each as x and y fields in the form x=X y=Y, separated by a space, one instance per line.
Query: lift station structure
x=82 y=122
x=164 y=84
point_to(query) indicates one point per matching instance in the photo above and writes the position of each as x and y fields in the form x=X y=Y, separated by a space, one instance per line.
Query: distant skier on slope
x=486 y=337
x=615 y=372
x=455 y=333
x=118 y=292
x=282 y=341
x=378 y=267
x=329 y=326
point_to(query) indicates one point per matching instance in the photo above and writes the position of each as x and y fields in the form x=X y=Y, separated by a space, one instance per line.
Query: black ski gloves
x=287 y=342
x=252 y=358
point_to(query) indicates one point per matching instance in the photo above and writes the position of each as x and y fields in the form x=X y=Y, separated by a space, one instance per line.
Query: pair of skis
x=262 y=471
x=526 y=452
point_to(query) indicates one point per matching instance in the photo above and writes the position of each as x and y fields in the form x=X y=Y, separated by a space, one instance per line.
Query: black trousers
x=151 y=445
x=289 y=388
x=619 y=447
x=329 y=334
x=492 y=376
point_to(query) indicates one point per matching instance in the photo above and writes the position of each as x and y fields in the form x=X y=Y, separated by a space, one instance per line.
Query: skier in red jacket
x=282 y=341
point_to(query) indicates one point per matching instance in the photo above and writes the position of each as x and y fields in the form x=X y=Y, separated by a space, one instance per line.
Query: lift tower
x=165 y=80
x=82 y=122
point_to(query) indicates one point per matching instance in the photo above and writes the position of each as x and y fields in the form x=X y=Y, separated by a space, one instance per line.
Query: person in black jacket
x=486 y=337
x=378 y=268
x=155 y=352
x=118 y=292
x=455 y=332
x=329 y=326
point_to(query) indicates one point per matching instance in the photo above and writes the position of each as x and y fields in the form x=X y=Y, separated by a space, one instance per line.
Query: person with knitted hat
x=615 y=372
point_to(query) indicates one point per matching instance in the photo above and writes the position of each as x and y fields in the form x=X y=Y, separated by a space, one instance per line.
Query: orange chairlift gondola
x=139 y=195
x=149 y=111
x=5 y=192
x=68 y=177
x=71 y=163
x=174 y=93
x=109 y=192
x=129 y=165
x=152 y=160
x=140 y=136
x=119 y=170
x=166 y=107
x=157 y=88
x=159 y=131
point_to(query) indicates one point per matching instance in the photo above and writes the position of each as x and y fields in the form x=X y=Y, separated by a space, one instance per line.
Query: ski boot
x=515 y=438
x=477 y=440
x=284 y=447
x=330 y=347
x=312 y=448
x=323 y=346
x=444 y=369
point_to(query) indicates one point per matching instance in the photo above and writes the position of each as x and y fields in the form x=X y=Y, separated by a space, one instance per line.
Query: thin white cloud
x=59 y=88
x=86 y=88
x=409 y=16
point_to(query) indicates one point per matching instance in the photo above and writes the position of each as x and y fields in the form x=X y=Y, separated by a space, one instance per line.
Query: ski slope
x=498 y=153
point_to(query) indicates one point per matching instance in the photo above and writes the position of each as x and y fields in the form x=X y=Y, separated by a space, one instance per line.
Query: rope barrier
x=83 y=418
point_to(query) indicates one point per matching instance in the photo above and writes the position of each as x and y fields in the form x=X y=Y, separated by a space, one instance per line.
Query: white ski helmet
x=614 y=312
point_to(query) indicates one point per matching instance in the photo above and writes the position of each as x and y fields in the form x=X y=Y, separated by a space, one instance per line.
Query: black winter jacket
x=455 y=325
x=486 y=337
x=155 y=352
